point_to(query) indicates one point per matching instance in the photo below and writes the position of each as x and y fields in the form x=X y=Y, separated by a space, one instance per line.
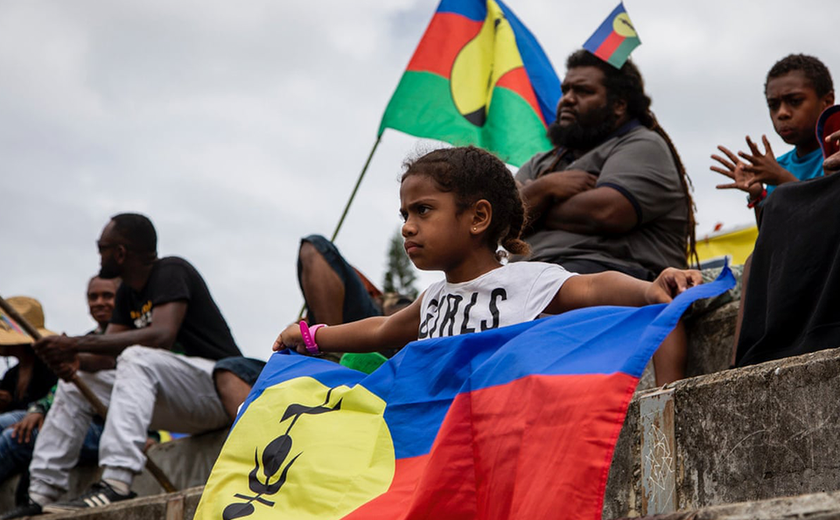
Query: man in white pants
x=166 y=333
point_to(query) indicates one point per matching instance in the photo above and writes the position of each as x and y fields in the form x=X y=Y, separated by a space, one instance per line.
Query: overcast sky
x=239 y=127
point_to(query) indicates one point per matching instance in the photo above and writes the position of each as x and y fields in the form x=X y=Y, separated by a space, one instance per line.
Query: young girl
x=459 y=205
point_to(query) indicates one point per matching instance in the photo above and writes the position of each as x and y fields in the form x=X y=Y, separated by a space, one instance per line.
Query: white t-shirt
x=511 y=294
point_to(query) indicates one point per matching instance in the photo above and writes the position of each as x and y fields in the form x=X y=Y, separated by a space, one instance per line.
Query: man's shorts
x=357 y=302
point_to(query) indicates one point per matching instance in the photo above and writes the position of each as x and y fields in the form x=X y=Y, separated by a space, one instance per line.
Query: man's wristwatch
x=36 y=408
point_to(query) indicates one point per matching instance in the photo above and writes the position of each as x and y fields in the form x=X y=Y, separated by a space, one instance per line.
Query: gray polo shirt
x=639 y=165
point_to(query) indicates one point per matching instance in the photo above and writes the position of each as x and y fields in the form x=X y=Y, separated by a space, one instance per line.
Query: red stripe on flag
x=445 y=37
x=517 y=80
x=609 y=45
x=399 y=496
x=537 y=447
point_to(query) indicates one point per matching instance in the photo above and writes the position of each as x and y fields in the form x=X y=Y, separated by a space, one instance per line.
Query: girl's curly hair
x=472 y=174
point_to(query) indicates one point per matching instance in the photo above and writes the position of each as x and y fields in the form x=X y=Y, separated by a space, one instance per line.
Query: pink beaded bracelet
x=308 y=334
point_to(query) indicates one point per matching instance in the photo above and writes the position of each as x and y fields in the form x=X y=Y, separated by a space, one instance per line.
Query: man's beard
x=588 y=131
x=108 y=272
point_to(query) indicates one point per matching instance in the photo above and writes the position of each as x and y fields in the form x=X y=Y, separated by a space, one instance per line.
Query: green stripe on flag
x=422 y=106
x=620 y=55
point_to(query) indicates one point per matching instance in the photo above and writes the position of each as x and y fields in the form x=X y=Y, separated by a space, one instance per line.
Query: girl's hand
x=670 y=283
x=290 y=338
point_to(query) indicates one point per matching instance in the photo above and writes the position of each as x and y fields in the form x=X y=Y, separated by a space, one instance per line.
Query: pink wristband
x=308 y=334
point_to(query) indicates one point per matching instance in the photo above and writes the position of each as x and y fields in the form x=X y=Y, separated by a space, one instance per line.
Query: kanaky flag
x=615 y=39
x=477 y=77
x=512 y=423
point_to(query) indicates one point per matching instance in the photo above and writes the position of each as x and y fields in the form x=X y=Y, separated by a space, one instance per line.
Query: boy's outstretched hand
x=290 y=338
x=733 y=168
x=670 y=283
x=763 y=167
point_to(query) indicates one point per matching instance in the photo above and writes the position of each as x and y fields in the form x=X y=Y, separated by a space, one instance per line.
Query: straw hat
x=30 y=309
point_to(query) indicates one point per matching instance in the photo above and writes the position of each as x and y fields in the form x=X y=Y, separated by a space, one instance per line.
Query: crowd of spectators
x=611 y=196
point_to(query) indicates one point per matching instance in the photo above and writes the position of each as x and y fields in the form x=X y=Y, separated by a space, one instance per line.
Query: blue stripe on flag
x=603 y=31
x=544 y=80
x=475 y=10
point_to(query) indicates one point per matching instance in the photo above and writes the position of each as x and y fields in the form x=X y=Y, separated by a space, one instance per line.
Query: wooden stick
x=97 y=404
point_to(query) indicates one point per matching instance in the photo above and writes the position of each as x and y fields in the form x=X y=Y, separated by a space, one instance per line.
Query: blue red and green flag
x=515 y=423
x=477 y=77
x=615 y=39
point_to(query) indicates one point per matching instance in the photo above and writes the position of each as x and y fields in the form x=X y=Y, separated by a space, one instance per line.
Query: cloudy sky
x=239 y=127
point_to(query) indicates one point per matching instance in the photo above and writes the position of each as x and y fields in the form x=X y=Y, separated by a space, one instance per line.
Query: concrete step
x=741 y=435
x=186 y=462
x=710 y=339
x=180 y=505
x=817 y=506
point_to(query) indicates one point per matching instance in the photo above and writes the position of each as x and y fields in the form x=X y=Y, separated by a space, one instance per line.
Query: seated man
x=165 y=335
x=792 y=291
x=18 y=440
x=613 y=194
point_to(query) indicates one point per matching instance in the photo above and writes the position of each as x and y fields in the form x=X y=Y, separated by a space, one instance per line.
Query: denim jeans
x=15 y=456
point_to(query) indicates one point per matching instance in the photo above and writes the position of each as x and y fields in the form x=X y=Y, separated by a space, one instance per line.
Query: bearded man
x=613 y=194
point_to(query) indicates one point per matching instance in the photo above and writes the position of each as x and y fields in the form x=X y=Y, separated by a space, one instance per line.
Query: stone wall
x=741 y=435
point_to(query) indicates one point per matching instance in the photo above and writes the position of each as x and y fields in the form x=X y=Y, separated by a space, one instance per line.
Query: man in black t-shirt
x=166 y=333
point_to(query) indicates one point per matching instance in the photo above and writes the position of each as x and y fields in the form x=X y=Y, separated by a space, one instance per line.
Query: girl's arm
x=614 y=288
x=368 y=335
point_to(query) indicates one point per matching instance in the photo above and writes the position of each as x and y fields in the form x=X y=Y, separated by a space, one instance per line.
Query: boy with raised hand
x=790 y=299
x=798 y=89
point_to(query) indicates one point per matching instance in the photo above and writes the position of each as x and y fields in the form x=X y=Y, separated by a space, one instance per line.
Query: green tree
x=400 y=276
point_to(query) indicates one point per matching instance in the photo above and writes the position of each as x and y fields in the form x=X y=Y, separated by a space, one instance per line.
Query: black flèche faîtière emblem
x=266 y=482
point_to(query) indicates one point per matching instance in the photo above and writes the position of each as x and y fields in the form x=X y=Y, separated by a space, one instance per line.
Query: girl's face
x=437 y=236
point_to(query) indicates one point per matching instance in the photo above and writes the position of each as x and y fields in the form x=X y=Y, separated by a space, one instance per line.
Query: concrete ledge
x=186 y=462
x=710 y=339
x=818 y=506
x=172 y=506
x=741 y=435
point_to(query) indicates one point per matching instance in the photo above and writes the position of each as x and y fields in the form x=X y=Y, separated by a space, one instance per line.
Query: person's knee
x=133 y=354
x=7 y=442
x=309 y=254
x=142 y=363
x=232 y=391
x=223 y=379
